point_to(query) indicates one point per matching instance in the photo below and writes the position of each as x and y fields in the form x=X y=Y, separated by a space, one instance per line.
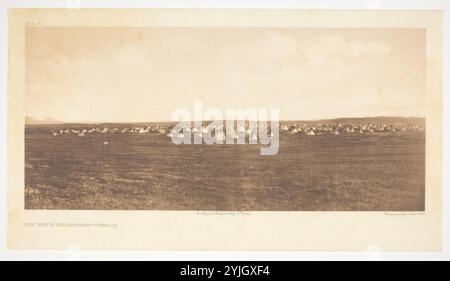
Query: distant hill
x=364 y=120
x=31 y=121
x=389 y=120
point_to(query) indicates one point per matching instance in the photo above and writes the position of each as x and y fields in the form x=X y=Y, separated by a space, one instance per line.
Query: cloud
x=142 y=74
x=329 y=48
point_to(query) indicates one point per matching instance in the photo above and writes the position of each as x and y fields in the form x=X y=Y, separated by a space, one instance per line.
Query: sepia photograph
x=350 y=126
x=274 y=130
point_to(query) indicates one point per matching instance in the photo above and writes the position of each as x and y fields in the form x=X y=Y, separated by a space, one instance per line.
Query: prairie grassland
x=384 y=172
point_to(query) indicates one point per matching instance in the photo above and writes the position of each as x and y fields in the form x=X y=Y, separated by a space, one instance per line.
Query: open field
x=373 y=172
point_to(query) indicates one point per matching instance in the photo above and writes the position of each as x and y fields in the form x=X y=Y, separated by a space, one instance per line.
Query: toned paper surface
x=221 y=230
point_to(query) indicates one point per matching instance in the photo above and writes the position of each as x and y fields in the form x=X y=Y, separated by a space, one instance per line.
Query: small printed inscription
x=224 y=213
x=404 y=213
x=65 y=224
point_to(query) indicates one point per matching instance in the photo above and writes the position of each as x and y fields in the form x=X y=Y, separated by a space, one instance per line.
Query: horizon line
x=169 y=121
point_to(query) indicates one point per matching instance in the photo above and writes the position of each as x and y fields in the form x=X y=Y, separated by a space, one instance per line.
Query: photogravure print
x=251 y=119
x=351 y=103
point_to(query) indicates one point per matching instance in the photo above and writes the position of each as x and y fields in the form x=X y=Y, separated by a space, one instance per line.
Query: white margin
x=228 y=255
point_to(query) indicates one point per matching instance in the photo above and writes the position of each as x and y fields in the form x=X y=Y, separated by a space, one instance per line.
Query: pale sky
x=112 y=74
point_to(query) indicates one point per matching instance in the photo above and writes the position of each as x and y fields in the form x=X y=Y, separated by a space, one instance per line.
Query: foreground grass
x=148 y=172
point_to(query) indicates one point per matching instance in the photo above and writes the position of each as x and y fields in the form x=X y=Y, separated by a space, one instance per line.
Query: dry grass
x=148 y=172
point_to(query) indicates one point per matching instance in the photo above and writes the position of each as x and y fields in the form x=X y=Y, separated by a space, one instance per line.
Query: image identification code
x=228 y=270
